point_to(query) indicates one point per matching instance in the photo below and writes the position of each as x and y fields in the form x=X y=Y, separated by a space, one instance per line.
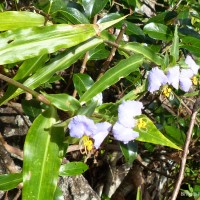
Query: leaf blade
x=122 y=69
x=43 y=145
x=152 y=135
x=10 y=181
x=73 y=169
x=20 y=19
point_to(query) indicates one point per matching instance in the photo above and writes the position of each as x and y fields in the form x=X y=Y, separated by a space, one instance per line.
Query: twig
x=10 y=148
x=17 y=196
x=83 y=67
x=118 y=46
x=86 y=58
x=112 y=53
x=177 y=5
x=186 y=148
x=38 y=96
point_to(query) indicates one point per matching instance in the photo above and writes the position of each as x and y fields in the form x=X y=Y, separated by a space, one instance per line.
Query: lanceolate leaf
x=175 y=46
x=82 y=82
x=63 y=102
x=26 y=43
x=22 y=44
x=122 y=69
x=61 y=62
x=10 y=181
x=73 y=168
x=151 y=134
x=43 y=153
x=19 y=19
x=71 y=15
x=145 y=51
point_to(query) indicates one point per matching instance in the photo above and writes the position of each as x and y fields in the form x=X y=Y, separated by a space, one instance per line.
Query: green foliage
x=72 y=54
x=10 y=181
x=73 y=169
x=43 y=145
x=18 y=19
x=152 y=135
x=121 y=70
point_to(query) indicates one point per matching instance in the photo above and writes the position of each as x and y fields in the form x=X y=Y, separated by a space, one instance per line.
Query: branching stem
x=38 y=96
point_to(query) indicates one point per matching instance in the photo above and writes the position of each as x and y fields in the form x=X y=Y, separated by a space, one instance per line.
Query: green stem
x=38 y=96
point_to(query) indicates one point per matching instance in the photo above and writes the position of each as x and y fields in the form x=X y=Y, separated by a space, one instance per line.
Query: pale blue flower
x=185 y=79
x=173 y=76
x=102 y=131
x=191 y=64
x=127 y=111
x=156 y=79
x=81 y=125
x=123 y=133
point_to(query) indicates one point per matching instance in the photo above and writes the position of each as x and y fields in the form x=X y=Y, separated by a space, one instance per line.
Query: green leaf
x=133 y=29
x=88 y=109
x=109 y=17
x=63 y=102
x=164 y=17
x=29 y=67
x=192 y=44
x=145 y=51
x=58 y=195
x=129 y=151
x=113 y=75
x=175 y=135
x=98 y=53
x=152 y=135
x=19 y=19
x=31 y=108
x=43 y=152
x=73 y=169
x=22 y=44
x=158 y=31
x=175 y=46
x=82 y=82
x=10 y=181
x=61 y=62
x=70 y=15
x=26 y=43
x=139 y=194
x=93 y=7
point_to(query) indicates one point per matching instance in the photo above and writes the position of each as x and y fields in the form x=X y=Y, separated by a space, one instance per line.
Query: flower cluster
x=174 y=77
x=82 y=127
x=123 y=128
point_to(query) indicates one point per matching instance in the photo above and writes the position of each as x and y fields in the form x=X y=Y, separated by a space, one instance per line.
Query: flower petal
x=173 y=75
x=123 y=134
x=81 y=125
x=102 y=131
x=156 y=78
x=186 y=73
x=127 y=111
x=191 y=64
x=185 y=83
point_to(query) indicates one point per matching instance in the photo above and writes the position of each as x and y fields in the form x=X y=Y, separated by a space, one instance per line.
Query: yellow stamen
x=194 y=80
x=141 y=123
x=167 y=91
x=87 y=143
